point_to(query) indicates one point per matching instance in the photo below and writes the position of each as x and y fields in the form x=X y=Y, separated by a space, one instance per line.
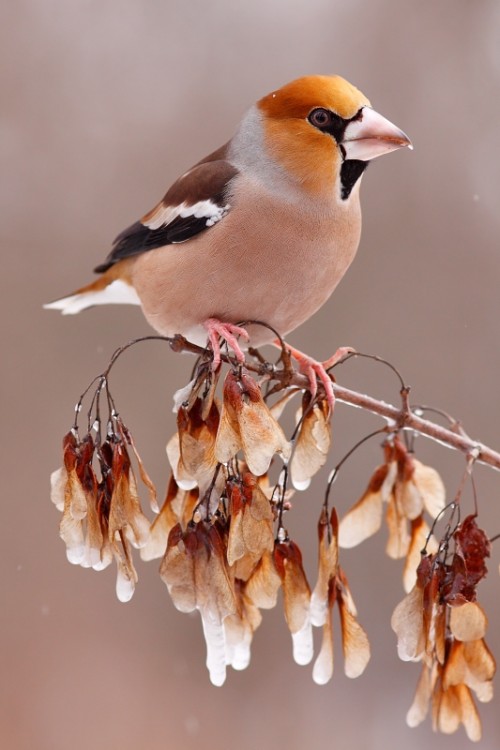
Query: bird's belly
x=251 y=273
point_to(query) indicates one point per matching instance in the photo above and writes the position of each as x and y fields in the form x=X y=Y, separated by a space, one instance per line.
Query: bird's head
x=322 y=131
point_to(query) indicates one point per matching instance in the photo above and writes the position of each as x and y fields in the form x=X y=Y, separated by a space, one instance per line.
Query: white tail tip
x=116 y=293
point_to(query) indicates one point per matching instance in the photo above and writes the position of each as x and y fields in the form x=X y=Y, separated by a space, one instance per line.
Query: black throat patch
x=350 y=172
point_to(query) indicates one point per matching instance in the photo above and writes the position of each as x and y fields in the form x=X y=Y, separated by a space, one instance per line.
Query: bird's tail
x=105 y=291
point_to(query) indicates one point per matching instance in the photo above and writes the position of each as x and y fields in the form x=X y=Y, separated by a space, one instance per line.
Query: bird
x=262 y=229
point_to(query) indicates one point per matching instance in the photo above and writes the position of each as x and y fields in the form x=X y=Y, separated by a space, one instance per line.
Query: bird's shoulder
x=195 y=202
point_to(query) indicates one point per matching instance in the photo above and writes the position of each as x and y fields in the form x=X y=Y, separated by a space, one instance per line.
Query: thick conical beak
x=371 y=135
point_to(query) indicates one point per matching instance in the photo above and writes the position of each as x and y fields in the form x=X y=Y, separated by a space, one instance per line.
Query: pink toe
x=228 y=332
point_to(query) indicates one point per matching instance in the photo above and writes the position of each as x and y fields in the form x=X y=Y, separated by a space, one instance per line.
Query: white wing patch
x=164 y=215
x=116 y=293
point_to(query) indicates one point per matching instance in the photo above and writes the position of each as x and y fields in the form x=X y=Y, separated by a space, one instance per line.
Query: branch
x=404 y=417
x=457 y=440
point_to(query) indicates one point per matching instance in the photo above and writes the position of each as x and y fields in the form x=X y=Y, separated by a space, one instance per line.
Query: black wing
x=196 y=201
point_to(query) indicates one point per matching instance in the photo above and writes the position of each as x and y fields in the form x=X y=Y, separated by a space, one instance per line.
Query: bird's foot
x=228 y=332
x=314 y=370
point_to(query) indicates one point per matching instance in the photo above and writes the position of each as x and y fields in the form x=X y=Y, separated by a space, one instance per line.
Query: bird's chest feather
x=269 y=259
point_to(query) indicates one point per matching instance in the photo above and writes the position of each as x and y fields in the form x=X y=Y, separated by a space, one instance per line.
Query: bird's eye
x=320 y=117
x=328 y=122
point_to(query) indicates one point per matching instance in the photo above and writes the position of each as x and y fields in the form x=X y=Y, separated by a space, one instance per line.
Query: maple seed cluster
x=102 y=518
x=440 y=623
x=228 y=554
x=225 y=550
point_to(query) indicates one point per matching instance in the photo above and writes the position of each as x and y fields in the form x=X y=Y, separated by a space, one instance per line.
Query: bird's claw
x=216 y=330
x=314 y=370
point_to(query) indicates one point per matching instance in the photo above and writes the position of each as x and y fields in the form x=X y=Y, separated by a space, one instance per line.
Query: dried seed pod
x=312 y=443
x=297 y=595
x=246 y=424
x=195 y=571
x=250 y=528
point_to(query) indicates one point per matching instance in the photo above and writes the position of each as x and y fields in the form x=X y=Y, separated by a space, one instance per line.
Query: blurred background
x=104 y=103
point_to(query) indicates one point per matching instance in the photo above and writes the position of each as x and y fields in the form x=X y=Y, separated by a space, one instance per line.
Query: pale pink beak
x=372 y=135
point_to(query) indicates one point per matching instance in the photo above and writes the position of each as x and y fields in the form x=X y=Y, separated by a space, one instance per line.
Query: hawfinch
x=262 y=229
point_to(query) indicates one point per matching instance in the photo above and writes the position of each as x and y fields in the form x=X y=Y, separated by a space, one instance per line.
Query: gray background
x=104 y=103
